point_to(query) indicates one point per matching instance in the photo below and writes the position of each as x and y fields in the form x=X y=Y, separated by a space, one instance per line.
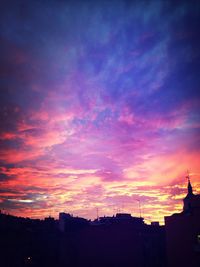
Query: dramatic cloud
x=99 y=106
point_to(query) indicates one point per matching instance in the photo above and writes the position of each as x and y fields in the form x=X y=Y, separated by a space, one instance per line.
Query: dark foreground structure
x=27 y=242
x=183 y=233
x=121 y=240
x=117 y=241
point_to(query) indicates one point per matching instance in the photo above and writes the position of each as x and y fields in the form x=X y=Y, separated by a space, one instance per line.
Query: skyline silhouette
x=110 y=241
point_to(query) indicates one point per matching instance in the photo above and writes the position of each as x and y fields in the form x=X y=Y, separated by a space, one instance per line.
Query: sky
x=99 y=107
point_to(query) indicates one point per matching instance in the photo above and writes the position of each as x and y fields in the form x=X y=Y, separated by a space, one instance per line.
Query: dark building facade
x=115 y=241
x=28 y=242
x=183 y=233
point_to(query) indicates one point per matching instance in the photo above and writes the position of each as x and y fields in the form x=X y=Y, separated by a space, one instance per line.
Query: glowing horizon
x=100 y=107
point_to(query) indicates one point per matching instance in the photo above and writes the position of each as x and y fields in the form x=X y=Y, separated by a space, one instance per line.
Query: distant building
x=117 y=241
x=120 y=240
x=183 y=233
x=121 y=218
x=69 y=223
x=62 y=219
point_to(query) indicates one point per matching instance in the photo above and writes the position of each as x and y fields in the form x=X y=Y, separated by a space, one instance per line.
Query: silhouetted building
x=69 y=223
x=120 y=240
x=28 y=242
x=120 y=218
x=191 y=201
x=116 y=241
x=183 y=233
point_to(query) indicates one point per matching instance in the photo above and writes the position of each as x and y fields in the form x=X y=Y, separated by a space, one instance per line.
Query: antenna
x=97 y=213
x=122 y=207
x=114 y=210
x=139 y=207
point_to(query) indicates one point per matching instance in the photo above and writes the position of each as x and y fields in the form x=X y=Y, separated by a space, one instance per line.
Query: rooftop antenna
x=97 y=213
x=139 y=207
x=114 y=210
x=122 y=207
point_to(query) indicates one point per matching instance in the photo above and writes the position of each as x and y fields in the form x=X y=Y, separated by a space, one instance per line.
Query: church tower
x=191 y=200
x=183 y=232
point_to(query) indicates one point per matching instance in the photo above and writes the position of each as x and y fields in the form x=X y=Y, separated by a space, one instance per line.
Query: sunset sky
x=99 y=107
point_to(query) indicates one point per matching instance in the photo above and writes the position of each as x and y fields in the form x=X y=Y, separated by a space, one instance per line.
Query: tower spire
x=190 y=190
